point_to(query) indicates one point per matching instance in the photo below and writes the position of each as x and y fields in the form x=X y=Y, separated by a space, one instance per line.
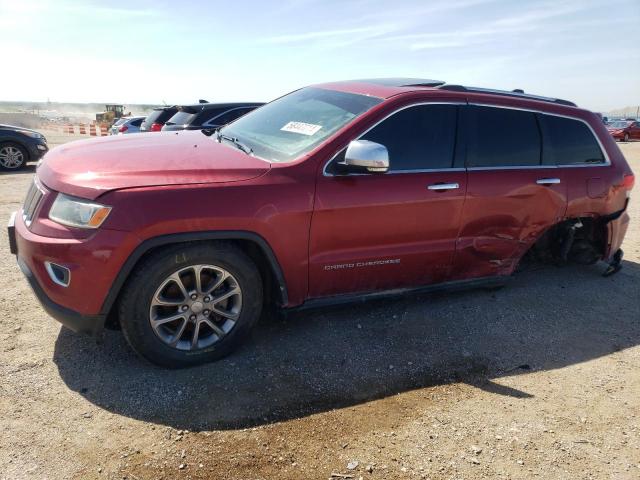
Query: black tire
x=21 y=149
x=135 y=301
x=626 y=137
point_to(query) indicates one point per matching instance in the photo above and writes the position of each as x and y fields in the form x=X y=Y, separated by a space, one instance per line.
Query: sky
x=180 y=51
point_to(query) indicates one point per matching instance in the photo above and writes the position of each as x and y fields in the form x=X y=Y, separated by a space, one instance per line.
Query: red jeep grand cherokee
x=333 y=192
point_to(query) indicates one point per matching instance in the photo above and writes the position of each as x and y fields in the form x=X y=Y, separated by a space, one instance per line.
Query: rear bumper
x=617 y=231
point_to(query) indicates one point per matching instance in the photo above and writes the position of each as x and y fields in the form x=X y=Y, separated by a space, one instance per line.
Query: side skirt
x=454 y=286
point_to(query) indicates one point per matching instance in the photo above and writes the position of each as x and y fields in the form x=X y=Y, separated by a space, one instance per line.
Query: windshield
x=295 y=124
x=618 y=125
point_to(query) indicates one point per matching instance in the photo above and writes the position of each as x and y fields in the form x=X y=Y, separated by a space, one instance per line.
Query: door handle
x=443 y=186
x=548 y=181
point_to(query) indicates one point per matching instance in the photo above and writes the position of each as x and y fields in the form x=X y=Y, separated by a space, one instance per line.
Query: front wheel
x=12 y=156
x=190 y=304
x=626 y=137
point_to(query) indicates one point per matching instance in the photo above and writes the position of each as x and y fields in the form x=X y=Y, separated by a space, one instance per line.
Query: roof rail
x=402 y=82
x=518 y=93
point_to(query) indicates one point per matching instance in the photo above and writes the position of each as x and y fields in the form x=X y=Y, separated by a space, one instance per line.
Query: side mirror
x=370 y=155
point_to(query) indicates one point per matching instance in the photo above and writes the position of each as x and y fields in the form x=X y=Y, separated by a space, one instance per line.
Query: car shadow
x=29 y=168
x=546 y=318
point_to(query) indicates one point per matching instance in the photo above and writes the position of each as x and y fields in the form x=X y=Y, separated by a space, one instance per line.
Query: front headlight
x=78 y=212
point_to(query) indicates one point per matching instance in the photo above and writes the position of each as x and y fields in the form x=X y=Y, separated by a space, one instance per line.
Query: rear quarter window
x=207 y=115
x=230 y=116
x=569 y=142
x=152 y=117
x=181 y=118
x=502 y=137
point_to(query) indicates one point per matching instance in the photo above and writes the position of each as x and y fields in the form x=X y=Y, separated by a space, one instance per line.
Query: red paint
x=631 y=131
x=330 y=235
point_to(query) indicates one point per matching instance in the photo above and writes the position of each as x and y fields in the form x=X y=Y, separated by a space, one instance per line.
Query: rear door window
x=502 y=137
x=569 y=142
x=418 y=138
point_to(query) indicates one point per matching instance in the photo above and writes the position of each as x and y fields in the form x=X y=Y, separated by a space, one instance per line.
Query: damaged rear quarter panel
x=505 y=212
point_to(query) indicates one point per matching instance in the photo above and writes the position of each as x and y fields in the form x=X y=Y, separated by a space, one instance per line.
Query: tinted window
x=181 y=118
x=208 y=114
x=151 y=118
x=569 y=142
x=501 y=137
x=159 y=116
x=136 y=123
x=421 y=137
x=231 y=115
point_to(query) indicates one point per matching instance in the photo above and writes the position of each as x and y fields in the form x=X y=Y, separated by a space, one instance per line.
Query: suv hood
x=89 y=168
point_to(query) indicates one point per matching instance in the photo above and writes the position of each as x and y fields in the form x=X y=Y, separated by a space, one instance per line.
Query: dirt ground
x=537 y=380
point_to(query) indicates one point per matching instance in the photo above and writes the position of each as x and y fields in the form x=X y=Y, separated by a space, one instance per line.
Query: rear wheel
x=191 y=304
x=12 y=156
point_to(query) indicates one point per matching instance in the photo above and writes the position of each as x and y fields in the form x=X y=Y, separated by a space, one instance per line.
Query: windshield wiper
x=241 y=146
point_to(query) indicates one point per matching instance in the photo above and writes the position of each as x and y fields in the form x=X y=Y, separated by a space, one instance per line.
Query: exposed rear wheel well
x=578 y=240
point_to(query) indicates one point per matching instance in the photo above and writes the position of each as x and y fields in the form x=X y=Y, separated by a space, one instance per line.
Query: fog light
x=58 y=273
x=41 y=147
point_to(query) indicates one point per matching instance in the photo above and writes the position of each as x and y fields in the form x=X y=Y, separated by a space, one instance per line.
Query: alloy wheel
x=195 y=307
x=11 y=157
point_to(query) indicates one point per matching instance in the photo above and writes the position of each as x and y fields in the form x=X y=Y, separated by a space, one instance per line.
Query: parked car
x=624 y=130
x=20 y=145
x=339 y=192
x=207 y=115
x=157 y=118
x=126 y=125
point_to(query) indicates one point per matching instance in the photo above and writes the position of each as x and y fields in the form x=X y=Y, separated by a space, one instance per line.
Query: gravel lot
x=537 y=380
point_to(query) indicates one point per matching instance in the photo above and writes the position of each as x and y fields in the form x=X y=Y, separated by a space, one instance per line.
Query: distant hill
x=77 y=108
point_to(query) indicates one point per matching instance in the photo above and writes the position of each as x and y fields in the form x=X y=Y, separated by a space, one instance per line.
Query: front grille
x=31 y=202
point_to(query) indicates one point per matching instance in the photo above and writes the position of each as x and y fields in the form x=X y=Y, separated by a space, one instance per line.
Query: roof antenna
x=202 y=101
x=517 y=90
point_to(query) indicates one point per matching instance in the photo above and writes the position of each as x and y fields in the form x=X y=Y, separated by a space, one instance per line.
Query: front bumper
x=91 y=324
x=93 y=262
x=37 y=149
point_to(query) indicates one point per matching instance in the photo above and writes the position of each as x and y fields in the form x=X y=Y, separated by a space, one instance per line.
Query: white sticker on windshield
x=301 y=128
